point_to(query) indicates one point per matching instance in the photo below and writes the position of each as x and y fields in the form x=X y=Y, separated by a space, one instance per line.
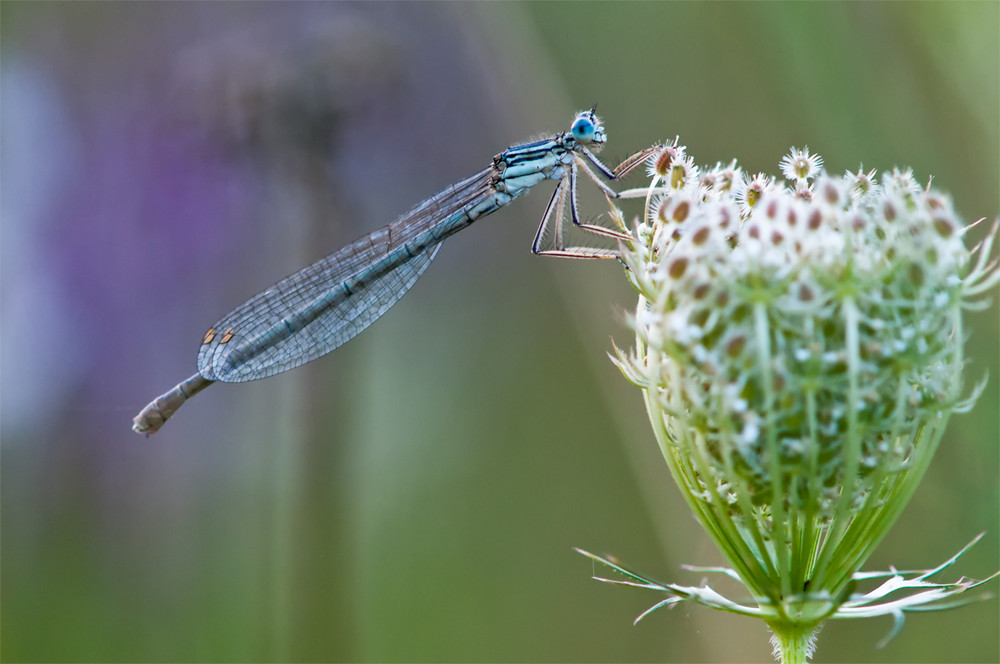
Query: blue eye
x=583 y=128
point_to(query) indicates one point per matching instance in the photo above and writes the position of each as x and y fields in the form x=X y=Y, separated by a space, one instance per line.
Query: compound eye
x=583 y=128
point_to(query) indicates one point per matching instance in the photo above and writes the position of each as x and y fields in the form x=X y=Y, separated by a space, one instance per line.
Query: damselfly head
x=587 y=129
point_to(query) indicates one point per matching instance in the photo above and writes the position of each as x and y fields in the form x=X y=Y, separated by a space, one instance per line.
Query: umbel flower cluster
x=799 y=346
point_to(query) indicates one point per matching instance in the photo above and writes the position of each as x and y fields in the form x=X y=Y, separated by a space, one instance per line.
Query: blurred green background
x=414 y=496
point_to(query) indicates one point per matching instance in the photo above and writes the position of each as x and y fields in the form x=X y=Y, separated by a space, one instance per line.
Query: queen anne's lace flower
x=800 y=165
x=800 y=351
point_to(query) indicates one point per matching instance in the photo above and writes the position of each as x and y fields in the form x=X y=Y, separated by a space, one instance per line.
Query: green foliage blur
x=416 y=495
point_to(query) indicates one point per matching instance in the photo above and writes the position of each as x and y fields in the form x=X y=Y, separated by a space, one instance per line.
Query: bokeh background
x=414 y=496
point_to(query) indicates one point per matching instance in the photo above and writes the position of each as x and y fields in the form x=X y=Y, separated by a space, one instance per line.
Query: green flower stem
x=793 y=642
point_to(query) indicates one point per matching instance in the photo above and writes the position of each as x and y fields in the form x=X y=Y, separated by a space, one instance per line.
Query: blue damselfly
x=326 y=304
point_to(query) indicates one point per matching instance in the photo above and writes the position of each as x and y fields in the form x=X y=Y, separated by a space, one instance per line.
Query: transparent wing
x=322 y=306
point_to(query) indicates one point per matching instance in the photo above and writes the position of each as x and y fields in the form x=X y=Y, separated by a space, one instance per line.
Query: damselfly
x=322 y=306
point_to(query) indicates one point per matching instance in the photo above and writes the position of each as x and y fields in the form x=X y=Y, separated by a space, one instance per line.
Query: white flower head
x=800 y=165
x=800 y=347
x=748 y=192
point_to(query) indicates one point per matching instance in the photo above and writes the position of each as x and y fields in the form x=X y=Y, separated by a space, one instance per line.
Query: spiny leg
x=619 y=171
x=555 y=210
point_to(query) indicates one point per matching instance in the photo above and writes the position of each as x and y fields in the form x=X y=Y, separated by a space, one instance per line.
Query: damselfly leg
x=550 y=237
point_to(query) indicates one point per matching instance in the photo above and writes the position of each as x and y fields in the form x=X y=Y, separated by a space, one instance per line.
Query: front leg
x=621 y=170
x=555 y=211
